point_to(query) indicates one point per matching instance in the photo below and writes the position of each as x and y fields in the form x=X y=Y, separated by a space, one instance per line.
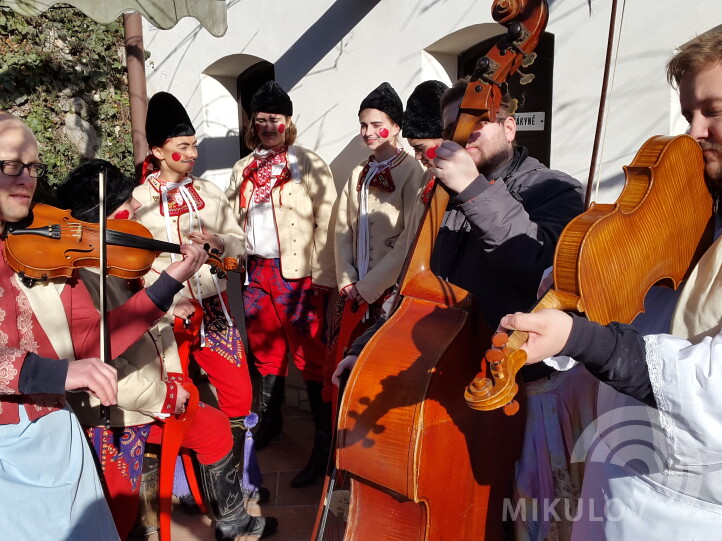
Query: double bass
x=423 y=466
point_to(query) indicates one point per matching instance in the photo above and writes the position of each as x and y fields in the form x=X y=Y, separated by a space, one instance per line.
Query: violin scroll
x=608 y=257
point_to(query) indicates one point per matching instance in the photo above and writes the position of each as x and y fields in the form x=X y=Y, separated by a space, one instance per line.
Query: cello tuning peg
x=513 y=106
x=525 y=78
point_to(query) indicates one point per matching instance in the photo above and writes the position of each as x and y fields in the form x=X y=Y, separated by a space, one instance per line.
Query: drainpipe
x=135 y=58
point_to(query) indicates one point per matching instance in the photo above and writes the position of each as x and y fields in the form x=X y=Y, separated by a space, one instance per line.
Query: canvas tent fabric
x=161 y=13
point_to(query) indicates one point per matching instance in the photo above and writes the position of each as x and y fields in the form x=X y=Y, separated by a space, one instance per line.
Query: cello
x=420 y=463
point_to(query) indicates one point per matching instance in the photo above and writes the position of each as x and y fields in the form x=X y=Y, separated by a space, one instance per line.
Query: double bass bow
x=420 y=463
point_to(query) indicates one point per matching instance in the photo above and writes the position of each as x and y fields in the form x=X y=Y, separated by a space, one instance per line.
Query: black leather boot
x=269 y=407
x=239 y=431
x=317 y=463
x=225 y=501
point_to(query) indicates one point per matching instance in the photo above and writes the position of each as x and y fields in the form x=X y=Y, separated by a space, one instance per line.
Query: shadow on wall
x=320 y=38
x=218 y=152
x=349 y=157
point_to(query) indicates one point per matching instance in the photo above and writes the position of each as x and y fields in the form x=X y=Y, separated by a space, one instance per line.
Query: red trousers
x=283 y=316
x=224 y=359
x=120 y=454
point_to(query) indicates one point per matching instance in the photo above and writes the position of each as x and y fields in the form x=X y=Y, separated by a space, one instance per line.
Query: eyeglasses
x=14 y=168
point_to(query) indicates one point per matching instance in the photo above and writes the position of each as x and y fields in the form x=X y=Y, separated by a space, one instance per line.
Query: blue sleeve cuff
x=43 y=375
x=162 y=291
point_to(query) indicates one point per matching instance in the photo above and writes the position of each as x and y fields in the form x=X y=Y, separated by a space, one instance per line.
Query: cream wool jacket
x=142 y=369
x=302 y=208
x=217 y=218
x=390 y=214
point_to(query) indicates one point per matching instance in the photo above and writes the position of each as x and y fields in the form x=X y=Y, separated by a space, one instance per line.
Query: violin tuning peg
x=499 y=340
x=528 y=60
x=525 y=78
x=513 y=106
x=494 y=356
x=511 y=408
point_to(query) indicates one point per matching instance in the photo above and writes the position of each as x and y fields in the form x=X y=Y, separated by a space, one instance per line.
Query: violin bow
x=104 y=333
x=602 y=108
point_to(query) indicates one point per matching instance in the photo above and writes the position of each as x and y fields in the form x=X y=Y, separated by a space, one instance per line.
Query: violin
x=50 y=243
x=608 y=257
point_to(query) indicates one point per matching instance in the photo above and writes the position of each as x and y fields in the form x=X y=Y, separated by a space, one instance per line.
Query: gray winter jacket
x=497 y=238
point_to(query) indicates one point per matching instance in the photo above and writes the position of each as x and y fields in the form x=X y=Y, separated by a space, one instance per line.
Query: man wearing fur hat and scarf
x=178 y=207
x=283 y=195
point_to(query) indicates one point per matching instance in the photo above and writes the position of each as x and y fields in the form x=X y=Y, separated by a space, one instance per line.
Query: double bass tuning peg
x=527 y=58
x=525 y=78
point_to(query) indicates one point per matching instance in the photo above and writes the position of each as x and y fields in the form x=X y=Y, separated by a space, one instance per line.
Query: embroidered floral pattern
x=122 y=449
x=382 y=180
x=176 y=206
x=8 y=356
x=8 y=373
x=224 y=340
x=260 y=172
x=24 y=319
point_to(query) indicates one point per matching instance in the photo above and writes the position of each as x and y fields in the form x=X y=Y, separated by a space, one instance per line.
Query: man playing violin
x=49 y=488
x=149 y=384
x=672 y=378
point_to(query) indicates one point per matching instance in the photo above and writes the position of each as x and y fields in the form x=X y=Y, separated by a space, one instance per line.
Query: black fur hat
x=422 y=118
x=384 y=98
x=79 y=191
x=166 y=118
x=271 y=98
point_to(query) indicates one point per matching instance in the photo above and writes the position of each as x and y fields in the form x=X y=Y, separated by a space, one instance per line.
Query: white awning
x=161 y=13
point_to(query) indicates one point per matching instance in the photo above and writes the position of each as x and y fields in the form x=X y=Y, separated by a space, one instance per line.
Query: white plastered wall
x=329 y=54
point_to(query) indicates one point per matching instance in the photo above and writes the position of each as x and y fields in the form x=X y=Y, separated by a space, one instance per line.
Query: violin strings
x=118 y=238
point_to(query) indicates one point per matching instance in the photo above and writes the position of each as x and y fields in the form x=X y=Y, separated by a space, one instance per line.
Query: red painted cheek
x=431 y=153
x=176 y=157
x=383 y=132
x=281 y=128
x=122 y=215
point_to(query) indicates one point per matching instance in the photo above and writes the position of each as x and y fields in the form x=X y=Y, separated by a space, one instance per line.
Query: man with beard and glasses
x=672 y=492
x=49 y=343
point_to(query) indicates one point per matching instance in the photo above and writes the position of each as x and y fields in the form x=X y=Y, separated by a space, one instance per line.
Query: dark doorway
x=533 y=130
x=247 y=84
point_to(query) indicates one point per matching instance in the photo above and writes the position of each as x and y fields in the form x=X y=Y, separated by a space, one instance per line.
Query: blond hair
x=696 y=55
x=251 y=139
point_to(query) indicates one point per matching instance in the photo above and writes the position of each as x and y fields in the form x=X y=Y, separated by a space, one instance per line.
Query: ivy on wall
x=65 y=76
